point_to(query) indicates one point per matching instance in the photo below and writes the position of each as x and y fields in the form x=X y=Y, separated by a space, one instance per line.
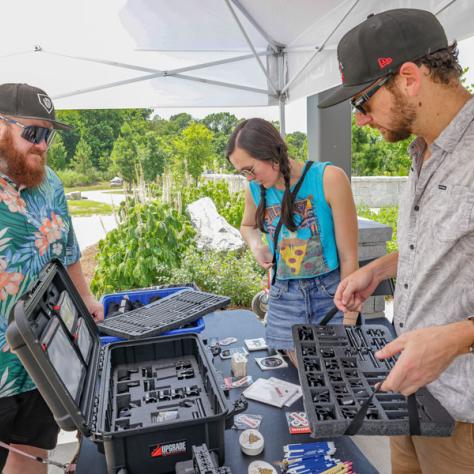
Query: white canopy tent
x=189 y=53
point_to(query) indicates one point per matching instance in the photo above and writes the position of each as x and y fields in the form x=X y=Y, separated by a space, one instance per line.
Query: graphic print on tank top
x=300 y=252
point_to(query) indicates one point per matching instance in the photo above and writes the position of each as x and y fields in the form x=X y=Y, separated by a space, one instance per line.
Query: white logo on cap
x=45 y=102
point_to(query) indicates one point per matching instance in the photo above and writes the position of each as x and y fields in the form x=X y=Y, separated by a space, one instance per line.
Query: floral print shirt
x=35 y=227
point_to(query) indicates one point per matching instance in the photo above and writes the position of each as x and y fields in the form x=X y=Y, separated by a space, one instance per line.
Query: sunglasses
x=33 y=133
x=359 y=103
x=248 y=173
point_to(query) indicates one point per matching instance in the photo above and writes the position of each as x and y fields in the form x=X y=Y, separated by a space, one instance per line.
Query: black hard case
x=90 y=411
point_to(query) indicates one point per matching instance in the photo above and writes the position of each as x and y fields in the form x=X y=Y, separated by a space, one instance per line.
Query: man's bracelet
x=471 y=347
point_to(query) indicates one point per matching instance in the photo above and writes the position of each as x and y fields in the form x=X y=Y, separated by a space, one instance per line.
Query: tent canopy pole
x=282 y=116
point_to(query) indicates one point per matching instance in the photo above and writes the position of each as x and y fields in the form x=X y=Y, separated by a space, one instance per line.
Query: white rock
x=213 y=231
x=74 y=196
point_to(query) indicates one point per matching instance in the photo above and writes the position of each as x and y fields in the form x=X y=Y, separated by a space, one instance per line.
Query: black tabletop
x=243 y=324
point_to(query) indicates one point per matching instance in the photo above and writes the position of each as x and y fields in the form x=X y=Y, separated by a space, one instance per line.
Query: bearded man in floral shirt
x=35 y=227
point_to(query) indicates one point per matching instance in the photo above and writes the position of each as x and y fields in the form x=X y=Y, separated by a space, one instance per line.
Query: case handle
x=332 y=312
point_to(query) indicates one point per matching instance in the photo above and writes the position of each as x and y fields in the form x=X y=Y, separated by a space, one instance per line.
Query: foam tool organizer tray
x=338 y=372
x=173 y=311
x=203 y=462
x=145 y=403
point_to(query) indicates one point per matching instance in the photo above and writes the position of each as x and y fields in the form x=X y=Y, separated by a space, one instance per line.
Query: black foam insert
x=338 y=371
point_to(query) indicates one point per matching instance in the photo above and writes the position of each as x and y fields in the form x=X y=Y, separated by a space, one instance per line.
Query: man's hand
x=95 y=308
x=425 y=354
x=355 y=289
x=263 y=256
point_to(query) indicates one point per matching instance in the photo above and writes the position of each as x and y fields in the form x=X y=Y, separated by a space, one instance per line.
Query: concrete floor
x=377 y=450
x=64 y=451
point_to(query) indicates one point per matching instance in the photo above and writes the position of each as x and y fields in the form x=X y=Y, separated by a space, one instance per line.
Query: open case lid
x=56 y=339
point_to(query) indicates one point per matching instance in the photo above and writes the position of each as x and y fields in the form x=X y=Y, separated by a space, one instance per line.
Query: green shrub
x=72 y=178
x=234 y=274
x=387 y=216
x=143 y=249
x=105 y=175
x=229 y=205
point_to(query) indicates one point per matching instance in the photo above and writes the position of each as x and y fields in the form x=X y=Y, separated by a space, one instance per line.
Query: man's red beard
x=23 y=169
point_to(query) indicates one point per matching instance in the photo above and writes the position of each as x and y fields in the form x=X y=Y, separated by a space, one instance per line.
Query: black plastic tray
x=338 y=371
x=176 y=310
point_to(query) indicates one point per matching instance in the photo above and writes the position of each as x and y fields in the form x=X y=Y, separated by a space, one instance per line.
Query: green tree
x=153 y=156
x=221 y=122
x=159 y=126
x=297 y=145
x=71 y=138
x=194 y=151
x=99 y=128
x=177 y=123
x=82 y=162
x=57 y=154
x=125 y=153
x=373 y=156
x=469 y=87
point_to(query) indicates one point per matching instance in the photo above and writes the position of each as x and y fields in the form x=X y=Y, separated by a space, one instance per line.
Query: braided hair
x=262 y=141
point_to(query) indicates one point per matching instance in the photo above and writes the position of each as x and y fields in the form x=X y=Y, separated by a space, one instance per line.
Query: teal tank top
x=311 y=250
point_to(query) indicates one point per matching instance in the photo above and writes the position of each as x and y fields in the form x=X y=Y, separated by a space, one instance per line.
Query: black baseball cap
x=23 y=100
x=380 y=45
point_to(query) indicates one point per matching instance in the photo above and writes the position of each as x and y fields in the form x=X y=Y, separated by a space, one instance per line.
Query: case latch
x=96 y=436
x=100 y=363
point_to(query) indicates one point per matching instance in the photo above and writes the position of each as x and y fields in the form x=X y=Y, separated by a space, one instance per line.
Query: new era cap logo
x=341 y=70
x=384 y=62
x=45 y=102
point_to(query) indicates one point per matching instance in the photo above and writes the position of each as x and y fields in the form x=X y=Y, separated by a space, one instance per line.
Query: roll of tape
x=251 y=442
x=239 y=364
x=259 y=467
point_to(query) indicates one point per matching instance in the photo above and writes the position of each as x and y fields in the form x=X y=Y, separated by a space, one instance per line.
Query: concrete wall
x=370 y=191
x=373 y=238
x=377 y=191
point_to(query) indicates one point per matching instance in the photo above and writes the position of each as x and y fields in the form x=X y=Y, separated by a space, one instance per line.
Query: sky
x=296 y=111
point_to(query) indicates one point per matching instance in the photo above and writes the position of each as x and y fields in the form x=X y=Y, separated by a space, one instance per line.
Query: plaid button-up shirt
x=435 y=277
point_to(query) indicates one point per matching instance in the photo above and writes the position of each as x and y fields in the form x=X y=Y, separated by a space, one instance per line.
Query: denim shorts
x=300 y=301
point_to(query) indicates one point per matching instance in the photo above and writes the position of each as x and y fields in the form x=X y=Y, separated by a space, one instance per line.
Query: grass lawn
x=92 y=187
x=84 y=207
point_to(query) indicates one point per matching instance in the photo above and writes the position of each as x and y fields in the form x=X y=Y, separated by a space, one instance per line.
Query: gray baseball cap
x=23 y=100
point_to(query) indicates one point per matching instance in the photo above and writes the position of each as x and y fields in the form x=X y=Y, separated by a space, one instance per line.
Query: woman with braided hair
x=316 y=241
